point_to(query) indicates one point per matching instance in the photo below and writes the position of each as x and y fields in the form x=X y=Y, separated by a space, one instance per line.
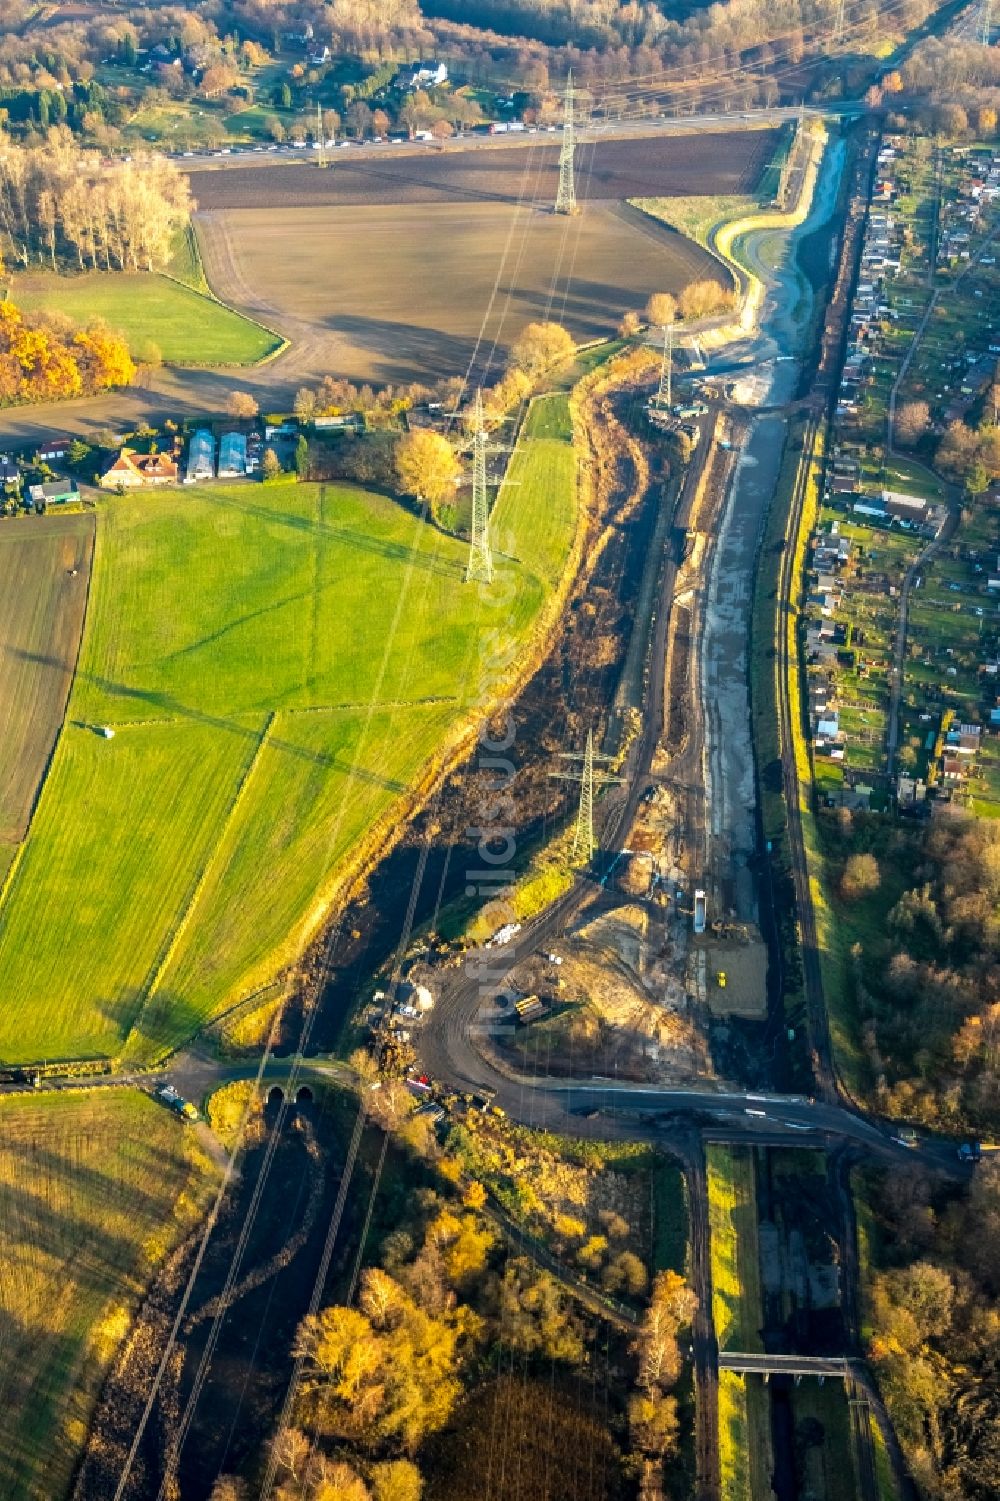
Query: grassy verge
x=95 y=1191
x=737 y=1306
x=187 y=327
x=745 y=1457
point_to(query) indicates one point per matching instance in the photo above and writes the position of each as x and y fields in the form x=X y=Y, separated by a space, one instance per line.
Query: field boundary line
x=170 y=948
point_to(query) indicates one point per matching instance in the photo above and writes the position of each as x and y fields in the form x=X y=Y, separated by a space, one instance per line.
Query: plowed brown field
x=42 y=603
x=413 y=292
x=704 y=163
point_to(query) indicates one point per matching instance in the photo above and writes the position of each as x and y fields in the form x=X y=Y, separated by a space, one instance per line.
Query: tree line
x=58 y=202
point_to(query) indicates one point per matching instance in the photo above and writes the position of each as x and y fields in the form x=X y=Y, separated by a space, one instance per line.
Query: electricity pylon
x=664 y=395
x=480 y=565
x=566 y=192
x=584 y=843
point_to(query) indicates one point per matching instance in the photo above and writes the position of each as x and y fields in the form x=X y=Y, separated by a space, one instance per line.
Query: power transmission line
x=566 y=192
x=584 y=842
x=480 y=565
x=664 y=396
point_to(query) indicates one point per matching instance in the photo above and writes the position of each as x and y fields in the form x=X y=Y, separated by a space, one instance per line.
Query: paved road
x=256 y=156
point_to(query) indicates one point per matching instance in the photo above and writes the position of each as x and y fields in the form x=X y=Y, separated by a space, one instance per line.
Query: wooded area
x=57 y=202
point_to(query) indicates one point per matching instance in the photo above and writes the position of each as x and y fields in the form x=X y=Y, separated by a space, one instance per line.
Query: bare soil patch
x=414 y=292
x=45 y=567
x=702 y=164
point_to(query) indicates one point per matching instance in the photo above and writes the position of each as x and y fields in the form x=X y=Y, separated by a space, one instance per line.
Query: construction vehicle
x=970 y=1151
x=720 y=979
x=177 y=1103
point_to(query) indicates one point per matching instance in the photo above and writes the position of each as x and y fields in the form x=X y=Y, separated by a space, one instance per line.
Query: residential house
x=427 y=75
x=131 y=470
x=54 y=449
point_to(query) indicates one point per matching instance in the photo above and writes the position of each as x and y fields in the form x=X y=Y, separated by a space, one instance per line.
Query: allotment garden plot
x=275 y=666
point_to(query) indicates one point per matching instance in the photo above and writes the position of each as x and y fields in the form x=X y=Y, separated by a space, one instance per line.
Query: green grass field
x=737 y=1308
x=278 y=664
x=188 y=329
x=95 y=1190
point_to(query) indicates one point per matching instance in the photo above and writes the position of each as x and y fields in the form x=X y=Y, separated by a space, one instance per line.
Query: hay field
x=42 y=606
x=278 y=663
x=413 y=292
x=95 y=1190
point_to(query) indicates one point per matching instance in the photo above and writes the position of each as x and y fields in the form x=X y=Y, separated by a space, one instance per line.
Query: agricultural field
x=95 y=1191
x=484 y=269
x=187 y=328
x=267 y=720
x=45 y=568
x=699 y=164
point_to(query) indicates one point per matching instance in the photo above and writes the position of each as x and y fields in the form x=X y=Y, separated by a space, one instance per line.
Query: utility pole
x=320 y=136
x=480 y=566
x=584 y=842
x=566 y=193
x=987 y=22
x=839 y=23
x=664 y=395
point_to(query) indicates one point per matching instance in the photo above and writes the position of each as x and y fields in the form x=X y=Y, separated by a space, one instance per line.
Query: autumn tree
x=913 y=419
x=228 y=1488
x=241 y=405
x=118 y=215
x=661 y=309
x=956 y=452
x=387 y=1370
x=860 y=878
x=396 y=1480
x=426 y=466
x=539 y=347
x=671 y=1308
x=270 y=464
x=701 y=299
